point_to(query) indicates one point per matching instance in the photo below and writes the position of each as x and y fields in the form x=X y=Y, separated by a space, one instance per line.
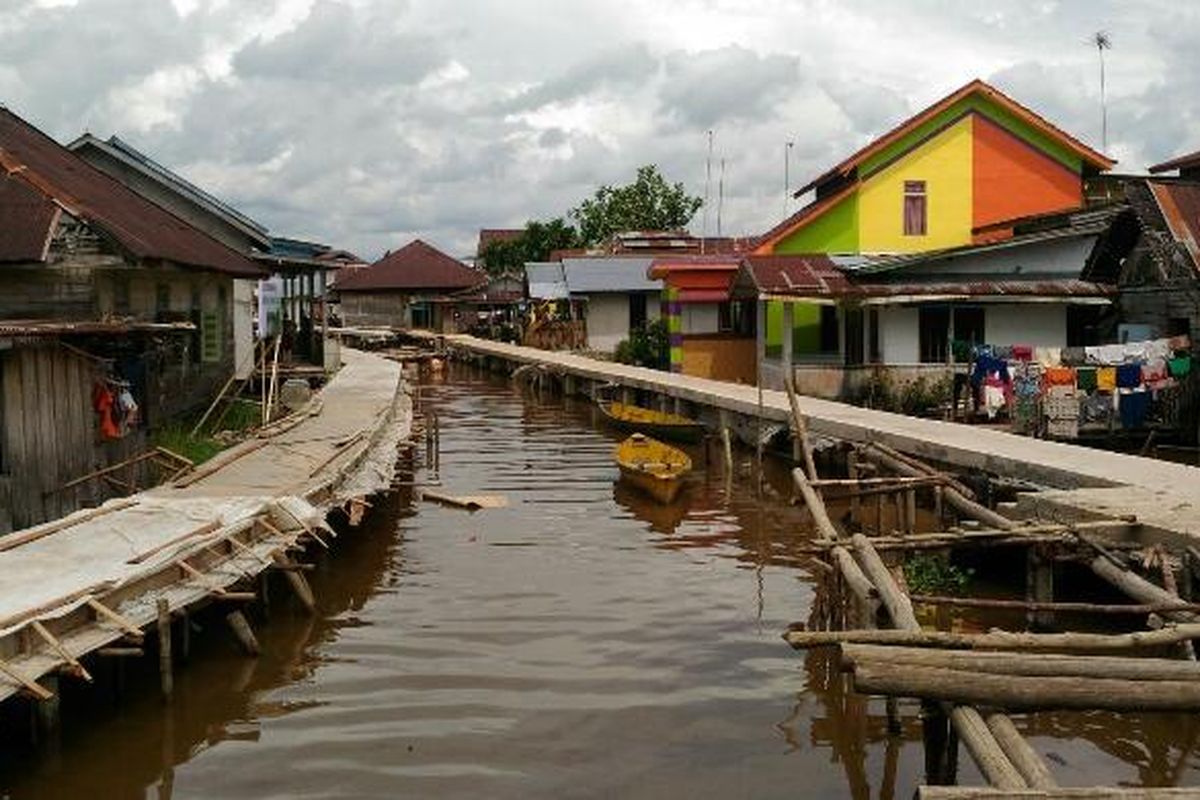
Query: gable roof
x=134 y=223
x=125 y=153
x=975 y=87
x=1180 y=207
x=1179 y=162
x=27 y=221
x=546 y=280
x=417 y=266
x=600 y=275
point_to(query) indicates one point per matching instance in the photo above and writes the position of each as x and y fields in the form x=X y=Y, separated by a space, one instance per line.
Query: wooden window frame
x=914 y=212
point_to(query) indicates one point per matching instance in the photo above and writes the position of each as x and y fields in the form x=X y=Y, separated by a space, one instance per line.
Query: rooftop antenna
x=1103 y=42
x=787 y=177
x=720 y=196
x=707 y=185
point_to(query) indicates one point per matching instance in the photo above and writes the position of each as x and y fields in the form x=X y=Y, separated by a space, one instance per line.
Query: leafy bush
x=913 y=397
x=934 y=574
x=646 y=347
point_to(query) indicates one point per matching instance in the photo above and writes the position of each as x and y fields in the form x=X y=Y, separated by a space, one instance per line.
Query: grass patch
x=243 y=415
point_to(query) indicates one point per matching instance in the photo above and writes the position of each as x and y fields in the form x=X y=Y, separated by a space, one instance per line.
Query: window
x=637 y=311
x=829 y=329
x=968 y=325
x=933 y=334
x=873 y=348
x=854 y=336
x=914 y=208
x=725 y=317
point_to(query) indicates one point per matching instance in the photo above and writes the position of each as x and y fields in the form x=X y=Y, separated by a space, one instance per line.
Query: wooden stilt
x=242 y=632
x=298 y=583
x=1020 y=753
x=120 y=652
x=165 y=668
x=855 y=500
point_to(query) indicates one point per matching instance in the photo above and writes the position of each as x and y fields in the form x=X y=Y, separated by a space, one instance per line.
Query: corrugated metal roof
x=546 y=280
x=27 y=220
x=1180 y=206
x=136 y=224
x=600 y=275
x=810 y=275
x=417 y=266
x=45 y=327
x=1179 y=162
x=1061 y=288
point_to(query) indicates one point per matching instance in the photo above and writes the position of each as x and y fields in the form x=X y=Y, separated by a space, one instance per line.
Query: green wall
x=835 y=231
x=806 y=328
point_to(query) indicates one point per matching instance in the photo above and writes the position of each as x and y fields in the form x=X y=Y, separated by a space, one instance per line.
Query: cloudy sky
x=364 y=123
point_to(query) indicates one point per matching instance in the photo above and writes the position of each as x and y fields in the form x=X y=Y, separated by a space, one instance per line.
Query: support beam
x=243 y=632
x=1020 y=753
x=165 y=669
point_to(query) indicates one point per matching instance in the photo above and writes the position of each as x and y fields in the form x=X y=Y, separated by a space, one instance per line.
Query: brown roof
x=1180 y=206
x=976 y=86
x=27 y=221
x=1179 y=162
x=417 y=266
x=137 y=225
x=489 y=235
x=807 y=275
x=1059 y=287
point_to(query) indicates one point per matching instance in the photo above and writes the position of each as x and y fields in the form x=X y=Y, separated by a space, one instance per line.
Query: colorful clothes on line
x=1048 y=356
x=1179 y=366
x=1154 y=373
x=1181 y=342
x=1129 y=376
x=1106 y=379
x=1085 y=379
x=1096 y=409
x=1134 y=407
x=1074 y=356
x=1022 y=352
x=1058 y=376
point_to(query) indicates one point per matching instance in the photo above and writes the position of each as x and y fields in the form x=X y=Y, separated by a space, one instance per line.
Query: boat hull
x=658 y=424
x=654 y=468
x=662 y=489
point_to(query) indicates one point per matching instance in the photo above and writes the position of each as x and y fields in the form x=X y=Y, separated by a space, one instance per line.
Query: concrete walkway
x=1161 y=493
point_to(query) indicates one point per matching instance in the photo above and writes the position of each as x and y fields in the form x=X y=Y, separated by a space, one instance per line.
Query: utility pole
x=787 y=177
x=707 y=190
x=1103 y=42
x=720 y=196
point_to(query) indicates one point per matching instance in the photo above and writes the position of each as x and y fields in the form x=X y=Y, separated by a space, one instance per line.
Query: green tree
x=536 y=243
x=649 y=203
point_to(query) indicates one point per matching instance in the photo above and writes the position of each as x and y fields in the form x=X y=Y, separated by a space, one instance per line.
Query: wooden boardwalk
x=95 y=577
x=1163 y=495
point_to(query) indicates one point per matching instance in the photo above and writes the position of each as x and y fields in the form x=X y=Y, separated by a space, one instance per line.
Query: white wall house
x=617 y=294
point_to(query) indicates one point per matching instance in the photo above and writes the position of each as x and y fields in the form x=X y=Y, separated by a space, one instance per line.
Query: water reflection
x=584 y=641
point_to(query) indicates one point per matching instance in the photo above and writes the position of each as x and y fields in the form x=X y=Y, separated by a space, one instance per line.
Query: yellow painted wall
x=944 y=163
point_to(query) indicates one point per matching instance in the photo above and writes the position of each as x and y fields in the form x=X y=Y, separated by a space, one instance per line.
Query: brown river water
x=580 y=642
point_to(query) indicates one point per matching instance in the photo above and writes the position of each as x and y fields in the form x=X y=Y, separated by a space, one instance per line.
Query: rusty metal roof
x=1029 y=288
x=807 y=275
x=1179 y=162
x=137 y=225
x=1180 y=206
x=27 y=219
x=416 y=266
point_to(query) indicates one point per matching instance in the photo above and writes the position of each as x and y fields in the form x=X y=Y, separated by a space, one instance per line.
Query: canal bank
x=578 y=642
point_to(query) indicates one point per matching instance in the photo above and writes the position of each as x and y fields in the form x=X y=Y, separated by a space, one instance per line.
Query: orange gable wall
x=1012 y=179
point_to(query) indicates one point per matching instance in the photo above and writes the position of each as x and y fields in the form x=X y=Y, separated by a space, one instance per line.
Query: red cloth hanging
x=102 y=402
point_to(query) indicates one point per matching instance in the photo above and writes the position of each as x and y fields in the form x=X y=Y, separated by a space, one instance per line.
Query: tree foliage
x=649 y=203
x=536 y=243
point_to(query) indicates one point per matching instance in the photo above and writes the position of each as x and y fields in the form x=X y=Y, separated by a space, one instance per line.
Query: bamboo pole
x=166 y=678
x=1000 y=662
x=1025 y=692
x=997 y=640
x=894 y=599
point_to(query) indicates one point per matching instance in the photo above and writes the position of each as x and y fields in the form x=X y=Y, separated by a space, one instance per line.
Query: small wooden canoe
x=655 y=468
x=659 y=424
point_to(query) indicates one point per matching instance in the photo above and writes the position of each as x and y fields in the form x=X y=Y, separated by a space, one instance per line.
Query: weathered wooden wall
x=375 y=309
x=48 y=434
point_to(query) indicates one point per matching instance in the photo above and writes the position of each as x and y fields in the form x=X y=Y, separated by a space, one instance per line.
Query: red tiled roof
x=806 y=275
x=1179 y=162
x=137 y=225
x=489 y=235
x=1027 y=115
x=26 y=221
x=417 y=266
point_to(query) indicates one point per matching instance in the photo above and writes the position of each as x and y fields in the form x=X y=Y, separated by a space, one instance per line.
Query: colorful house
x=959 y=174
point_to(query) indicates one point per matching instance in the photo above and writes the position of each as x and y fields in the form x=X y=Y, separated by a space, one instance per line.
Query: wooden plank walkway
x=1164 y=495
x=263 y=494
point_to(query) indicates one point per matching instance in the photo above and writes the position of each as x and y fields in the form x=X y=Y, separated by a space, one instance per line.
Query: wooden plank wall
x=49 y=434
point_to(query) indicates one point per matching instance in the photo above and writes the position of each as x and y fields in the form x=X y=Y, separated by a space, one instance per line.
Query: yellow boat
x=653 y=467
x=663 y=424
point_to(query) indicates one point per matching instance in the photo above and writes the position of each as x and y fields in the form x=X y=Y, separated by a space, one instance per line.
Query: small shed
x=619 y=296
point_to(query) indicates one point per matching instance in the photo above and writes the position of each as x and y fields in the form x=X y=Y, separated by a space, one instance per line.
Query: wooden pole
x=950 y=493
x=894 y=599
x=1024 y=692
x=76 y=668
x=1020 y=753
x=801 y=425
x=984 y=749
x=1032 y=605
x=1027 y=664
x=166 y=678
x=852 y=471
x=1084 y=793
x=298 y=583
x=242 y=632
x=998 y=640
x=816 y=506
x=1139 y=588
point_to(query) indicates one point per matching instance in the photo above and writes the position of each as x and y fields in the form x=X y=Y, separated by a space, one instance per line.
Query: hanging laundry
x=1105 y=354
x=1048 y=356
x=1133 y=408
x=129 y=411
x=103 y=402
x=1181 y=342
x=1022 y=352
x=1129 y=376
x=1095 y=409
x=1085 y=379
x=1058 y=376
x=1074 y=356
x=1154 y=374
x=1106 y=378
x=994 y=397
x=1180 y=366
